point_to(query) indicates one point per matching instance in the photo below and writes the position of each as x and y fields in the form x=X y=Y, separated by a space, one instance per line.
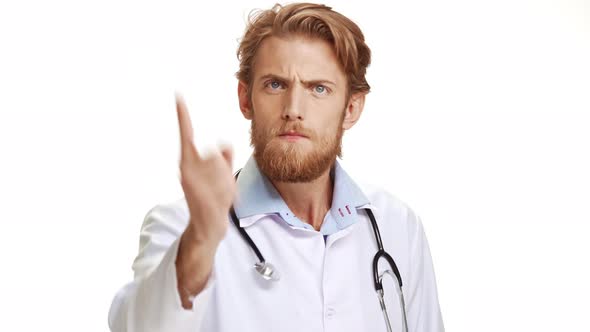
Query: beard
x=288 y=162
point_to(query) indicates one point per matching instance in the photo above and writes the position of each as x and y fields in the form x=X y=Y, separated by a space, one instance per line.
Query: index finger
x=186 y=129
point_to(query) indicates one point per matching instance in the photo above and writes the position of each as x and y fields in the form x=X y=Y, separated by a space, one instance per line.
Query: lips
x=293 y=134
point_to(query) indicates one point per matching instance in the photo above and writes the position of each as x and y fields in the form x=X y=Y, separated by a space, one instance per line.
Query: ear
x=353 y=110
x=244 y=101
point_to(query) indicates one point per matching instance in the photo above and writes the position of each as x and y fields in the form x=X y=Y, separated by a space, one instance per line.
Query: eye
x=274 y=85
x=320 y=89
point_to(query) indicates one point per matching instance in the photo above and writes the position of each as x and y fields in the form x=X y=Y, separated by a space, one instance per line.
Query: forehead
x=307 y=58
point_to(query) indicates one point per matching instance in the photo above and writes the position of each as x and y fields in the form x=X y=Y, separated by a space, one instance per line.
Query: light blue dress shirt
x=257 y=195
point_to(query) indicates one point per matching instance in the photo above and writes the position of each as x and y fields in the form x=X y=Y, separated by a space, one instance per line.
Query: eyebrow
x=306 y=82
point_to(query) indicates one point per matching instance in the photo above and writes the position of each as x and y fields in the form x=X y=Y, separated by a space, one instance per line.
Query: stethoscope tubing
x=377 y=278
x=381 y=253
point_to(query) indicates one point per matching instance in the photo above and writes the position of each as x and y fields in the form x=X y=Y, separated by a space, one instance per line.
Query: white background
x=478 y=119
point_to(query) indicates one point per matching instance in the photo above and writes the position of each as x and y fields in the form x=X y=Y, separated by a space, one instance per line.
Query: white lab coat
x=324 y=286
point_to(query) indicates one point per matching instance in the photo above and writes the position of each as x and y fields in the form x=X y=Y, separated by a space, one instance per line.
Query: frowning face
x=298 y=108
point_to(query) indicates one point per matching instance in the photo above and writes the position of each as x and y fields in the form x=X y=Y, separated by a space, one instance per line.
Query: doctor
x=301 y=84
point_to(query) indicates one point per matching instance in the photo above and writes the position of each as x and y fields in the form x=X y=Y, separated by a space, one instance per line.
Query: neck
x=309 y=201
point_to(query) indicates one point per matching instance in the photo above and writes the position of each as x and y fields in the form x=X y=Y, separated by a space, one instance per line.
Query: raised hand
x=209 y=188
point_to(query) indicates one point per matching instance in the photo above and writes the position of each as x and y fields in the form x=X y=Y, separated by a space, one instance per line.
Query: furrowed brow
x=305 y=82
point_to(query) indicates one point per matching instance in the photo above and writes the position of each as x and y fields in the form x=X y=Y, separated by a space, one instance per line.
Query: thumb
x=228 y=154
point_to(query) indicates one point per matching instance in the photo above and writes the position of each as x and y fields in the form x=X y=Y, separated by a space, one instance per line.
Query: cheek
x=266 y=102
x=264 y=128
x=330 y=121
x=266 y=112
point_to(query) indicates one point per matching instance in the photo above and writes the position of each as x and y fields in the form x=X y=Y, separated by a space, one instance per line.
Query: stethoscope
x=269 y=272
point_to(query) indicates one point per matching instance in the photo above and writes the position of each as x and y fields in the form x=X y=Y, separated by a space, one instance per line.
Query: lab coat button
x=330 y=312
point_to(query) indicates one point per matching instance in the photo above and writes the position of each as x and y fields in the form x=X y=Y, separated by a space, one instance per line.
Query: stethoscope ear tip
x=267 y=271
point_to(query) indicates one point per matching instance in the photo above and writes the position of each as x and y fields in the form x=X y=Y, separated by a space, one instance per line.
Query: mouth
x=292 y=135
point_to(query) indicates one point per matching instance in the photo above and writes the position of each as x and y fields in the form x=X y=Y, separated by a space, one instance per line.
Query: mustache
x=293 y=127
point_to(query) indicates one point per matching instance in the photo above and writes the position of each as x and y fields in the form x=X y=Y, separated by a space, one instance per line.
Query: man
x=301 y=83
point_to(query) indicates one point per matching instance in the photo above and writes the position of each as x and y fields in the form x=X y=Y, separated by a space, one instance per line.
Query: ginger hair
x=311 y=21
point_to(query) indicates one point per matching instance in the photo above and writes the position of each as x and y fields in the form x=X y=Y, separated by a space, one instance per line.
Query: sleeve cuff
x=200 y=300
x=158 y=301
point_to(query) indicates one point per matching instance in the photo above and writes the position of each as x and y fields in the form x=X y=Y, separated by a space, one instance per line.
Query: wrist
x=194 y=262
x=204 y=234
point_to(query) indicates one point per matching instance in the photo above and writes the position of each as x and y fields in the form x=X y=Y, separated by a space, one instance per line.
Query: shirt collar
x=256 y=194
x=257 y=197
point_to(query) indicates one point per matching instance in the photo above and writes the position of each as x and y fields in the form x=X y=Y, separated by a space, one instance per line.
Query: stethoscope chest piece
x=267 y=271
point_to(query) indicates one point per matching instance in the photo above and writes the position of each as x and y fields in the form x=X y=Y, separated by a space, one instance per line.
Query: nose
x=294 y=104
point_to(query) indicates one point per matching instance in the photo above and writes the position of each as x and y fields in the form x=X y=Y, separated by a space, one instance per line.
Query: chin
x=298 y=146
